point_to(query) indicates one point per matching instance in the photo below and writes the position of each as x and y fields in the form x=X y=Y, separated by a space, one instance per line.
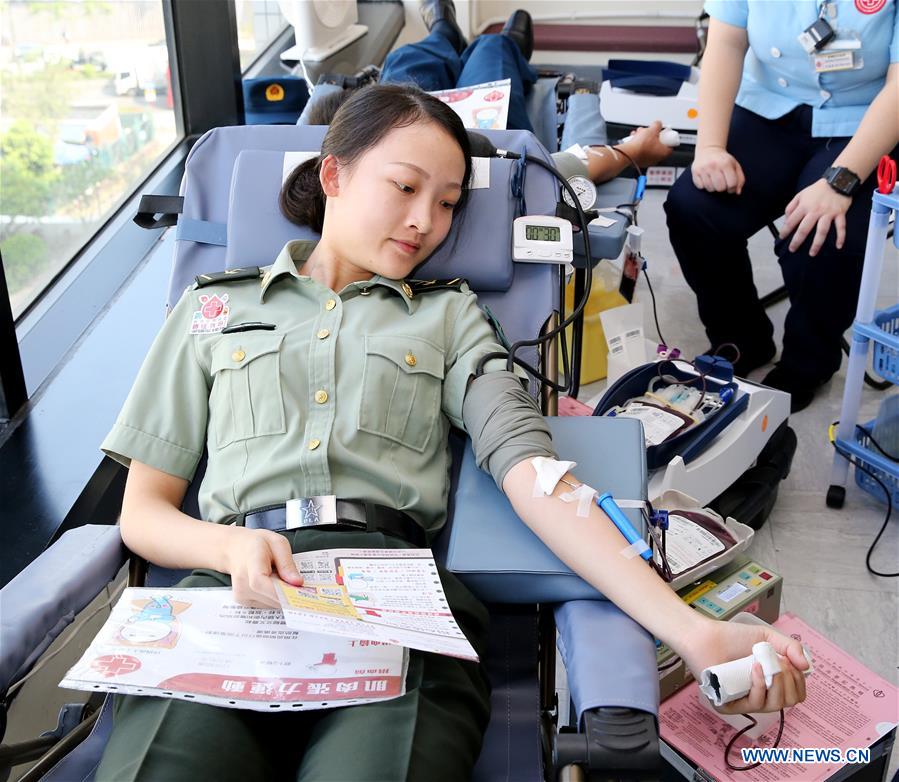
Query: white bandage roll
x=728 y=681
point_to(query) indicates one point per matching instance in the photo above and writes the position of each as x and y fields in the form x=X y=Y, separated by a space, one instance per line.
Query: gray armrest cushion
x=39 y=603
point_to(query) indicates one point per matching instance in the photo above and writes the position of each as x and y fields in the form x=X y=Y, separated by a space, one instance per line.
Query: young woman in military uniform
x=335 y=376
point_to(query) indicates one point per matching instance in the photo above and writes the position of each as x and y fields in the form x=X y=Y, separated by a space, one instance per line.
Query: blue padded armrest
x=39 y=603
x=609 y=658
x=498 y=557
x=608 y=242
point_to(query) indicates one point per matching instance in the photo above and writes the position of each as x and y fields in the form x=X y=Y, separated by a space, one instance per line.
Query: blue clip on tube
x=607 y=503
x=641 y=187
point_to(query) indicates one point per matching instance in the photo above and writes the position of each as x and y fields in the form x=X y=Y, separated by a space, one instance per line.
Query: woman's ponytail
x=302 y=199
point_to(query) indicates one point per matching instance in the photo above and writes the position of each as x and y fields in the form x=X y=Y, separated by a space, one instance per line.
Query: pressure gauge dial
x=585 y=189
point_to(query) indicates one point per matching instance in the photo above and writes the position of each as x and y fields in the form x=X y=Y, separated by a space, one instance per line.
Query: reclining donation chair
x=229 y=218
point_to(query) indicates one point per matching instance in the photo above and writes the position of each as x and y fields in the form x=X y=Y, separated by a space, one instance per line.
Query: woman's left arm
x=819 y=204
x=592 y=547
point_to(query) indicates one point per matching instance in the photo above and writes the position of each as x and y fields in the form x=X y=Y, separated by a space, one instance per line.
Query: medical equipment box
x=741 y=585
x=693 y=440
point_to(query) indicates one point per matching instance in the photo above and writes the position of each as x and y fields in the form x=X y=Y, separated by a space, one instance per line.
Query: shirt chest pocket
x=402 y=385
x=246 y=399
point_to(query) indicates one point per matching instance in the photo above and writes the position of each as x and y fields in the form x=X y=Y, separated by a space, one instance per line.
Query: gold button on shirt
x=399 y=378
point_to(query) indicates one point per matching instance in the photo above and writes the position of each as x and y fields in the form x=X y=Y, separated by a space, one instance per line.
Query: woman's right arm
x=714 y=169
x=154 y=528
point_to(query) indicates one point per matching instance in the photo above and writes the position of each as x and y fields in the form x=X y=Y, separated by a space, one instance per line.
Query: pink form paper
x=846 y=706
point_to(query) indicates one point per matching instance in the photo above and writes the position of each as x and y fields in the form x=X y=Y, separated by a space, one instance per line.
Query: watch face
x=843 y=179
x=585 y=189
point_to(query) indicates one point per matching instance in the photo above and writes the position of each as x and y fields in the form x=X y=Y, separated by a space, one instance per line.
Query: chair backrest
x=231 y=218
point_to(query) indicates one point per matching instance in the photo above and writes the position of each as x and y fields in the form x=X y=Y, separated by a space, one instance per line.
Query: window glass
x=258 y=23
x=86 y=112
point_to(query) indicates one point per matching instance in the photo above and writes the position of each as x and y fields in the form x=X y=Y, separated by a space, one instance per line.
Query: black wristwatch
x=841 y=179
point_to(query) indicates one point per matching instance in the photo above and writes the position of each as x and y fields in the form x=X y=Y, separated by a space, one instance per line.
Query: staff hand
x=716 y=170
x=252 y=557
x=721 y=642
x=818 y=204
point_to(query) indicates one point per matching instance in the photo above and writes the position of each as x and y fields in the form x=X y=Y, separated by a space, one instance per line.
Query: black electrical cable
x=877 y=445
x=510 y=357
x=669 y=665
x=889 y=497
x=579 y=308
x=481 y=146
x=753 y=723
x=655 y=314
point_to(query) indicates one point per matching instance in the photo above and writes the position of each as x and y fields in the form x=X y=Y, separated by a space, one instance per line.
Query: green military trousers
x=433 y=732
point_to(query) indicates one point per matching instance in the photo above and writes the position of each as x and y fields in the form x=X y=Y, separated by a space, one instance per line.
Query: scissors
x=886 y=175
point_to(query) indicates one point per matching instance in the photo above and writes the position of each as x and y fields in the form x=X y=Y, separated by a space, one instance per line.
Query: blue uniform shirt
x=779 y=75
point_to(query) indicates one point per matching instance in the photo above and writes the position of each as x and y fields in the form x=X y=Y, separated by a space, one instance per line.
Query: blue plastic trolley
x=879 y=328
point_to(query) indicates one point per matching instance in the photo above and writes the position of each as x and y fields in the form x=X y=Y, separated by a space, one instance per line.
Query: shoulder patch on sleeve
x=229 y=275
x=427 y=286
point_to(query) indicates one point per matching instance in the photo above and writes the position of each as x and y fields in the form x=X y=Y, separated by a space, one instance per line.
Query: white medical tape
x=583 y=495
x=635 y=549
x=639 y=504
x=549 y=473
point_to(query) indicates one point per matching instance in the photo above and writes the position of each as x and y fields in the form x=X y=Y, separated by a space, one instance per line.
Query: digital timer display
x=543 y=233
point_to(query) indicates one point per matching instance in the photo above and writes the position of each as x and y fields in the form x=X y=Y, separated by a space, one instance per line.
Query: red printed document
x=846 y=707
x=199 y=645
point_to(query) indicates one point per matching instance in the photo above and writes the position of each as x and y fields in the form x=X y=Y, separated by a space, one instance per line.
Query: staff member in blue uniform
x=783 y=130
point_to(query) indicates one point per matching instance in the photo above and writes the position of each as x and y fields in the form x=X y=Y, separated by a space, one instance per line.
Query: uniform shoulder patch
x=229 y=275
x=427 y=286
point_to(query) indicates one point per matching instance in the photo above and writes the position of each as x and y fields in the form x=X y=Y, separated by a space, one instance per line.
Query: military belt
x=351 y=516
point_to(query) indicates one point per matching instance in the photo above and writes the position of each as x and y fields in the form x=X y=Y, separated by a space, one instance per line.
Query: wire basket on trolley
x=886 y=349
x=865 y=481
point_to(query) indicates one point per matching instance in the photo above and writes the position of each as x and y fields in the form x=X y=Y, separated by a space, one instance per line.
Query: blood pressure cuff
x=504 y=424
x=569 y=165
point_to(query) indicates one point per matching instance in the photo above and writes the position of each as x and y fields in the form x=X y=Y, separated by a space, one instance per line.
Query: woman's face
x=388 y=211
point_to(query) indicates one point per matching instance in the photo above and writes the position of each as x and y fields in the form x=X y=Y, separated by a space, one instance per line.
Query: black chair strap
x=167 y=207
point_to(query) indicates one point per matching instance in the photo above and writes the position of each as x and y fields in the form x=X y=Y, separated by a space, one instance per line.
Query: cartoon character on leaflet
x=154 y=623
x=487 y=117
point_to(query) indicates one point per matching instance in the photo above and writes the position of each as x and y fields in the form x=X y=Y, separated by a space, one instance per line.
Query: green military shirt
x=351 y=393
